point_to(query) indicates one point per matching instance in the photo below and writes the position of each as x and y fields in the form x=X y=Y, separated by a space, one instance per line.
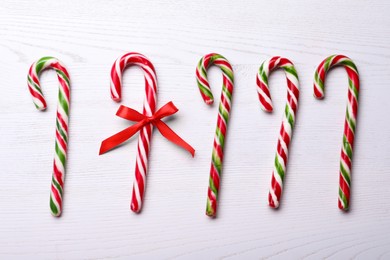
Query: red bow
x=133 y=115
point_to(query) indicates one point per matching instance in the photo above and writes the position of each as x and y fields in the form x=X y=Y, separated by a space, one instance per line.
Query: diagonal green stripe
x=228 y=73
x=227 y=92
x=63 y=102
x=220 y=137
x=345 y=174
x=60 y=154
x=291 y=70
x=204 y=71
x=264 y=78
x=53 y=207
x=36 y=87
x=212 y=187
x=349 y=63
x=347 y=147
x=61 y=131
x=41 y=63
x=279 y=168
x=224 y=113
x=353 y=88
x=327 y=63
x=205 y=90
x=343 y=198
x=289 y=116
x=63 y=76
x=57 y=185
x=350 y=120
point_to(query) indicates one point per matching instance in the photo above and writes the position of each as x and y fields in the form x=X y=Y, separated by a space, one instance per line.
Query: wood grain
x=97 y=223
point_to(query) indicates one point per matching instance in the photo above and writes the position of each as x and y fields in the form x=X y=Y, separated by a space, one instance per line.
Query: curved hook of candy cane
x=288 y=121
x=222 y=121
x=350 y=118
x=62 y=120
x=149 y=108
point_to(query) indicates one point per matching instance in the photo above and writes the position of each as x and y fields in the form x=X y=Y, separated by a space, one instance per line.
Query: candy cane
x=223 y=118
x=350 y=118
x=61 y=142
x=149 y=108
x=288 y=121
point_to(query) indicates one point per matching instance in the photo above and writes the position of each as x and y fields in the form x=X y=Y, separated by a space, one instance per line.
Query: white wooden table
x=97 y=222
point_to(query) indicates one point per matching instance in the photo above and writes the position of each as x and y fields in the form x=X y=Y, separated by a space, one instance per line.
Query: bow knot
x=149 y=119
x=143 y=120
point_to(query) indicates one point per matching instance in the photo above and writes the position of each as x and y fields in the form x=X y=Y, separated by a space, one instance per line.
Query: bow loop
x=130 y=114
x=167 y=110
x=143 y=120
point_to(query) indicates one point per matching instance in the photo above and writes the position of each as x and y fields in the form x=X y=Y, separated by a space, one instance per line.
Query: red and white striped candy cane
x=288 y=122
x=61 y=141
x=350 y=118
x=149 y=108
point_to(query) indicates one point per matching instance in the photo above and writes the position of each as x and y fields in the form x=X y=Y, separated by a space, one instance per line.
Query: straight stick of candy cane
x=61 y=141
x=288 y=121
x=149 y=108
x=222 y=121
x=350 y=118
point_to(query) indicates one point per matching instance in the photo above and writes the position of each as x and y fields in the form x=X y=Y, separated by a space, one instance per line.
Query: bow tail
x=118 y=138
x=169 y=134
